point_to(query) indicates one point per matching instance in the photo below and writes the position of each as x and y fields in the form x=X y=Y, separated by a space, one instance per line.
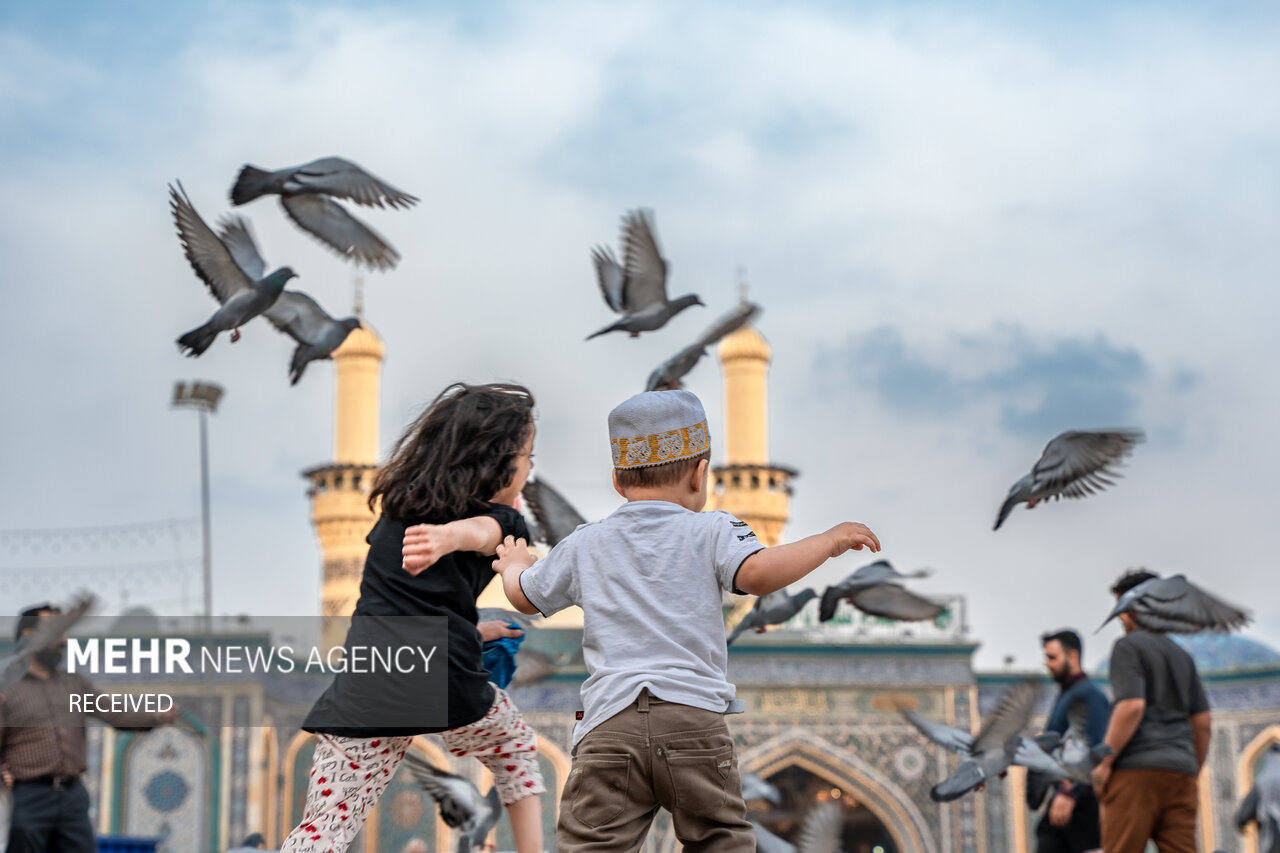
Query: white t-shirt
x=649 y=580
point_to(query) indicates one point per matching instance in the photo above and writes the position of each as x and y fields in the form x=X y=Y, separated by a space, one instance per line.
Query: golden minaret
x=340 y=490
x=748 y=484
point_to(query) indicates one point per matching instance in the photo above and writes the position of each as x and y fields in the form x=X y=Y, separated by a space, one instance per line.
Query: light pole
x=203 y=397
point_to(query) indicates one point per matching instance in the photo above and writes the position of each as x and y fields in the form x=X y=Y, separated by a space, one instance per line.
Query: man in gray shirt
x=1159 y=730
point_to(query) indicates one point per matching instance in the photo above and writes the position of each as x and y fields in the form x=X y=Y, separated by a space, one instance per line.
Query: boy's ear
x=616 y=487
x=699 y=481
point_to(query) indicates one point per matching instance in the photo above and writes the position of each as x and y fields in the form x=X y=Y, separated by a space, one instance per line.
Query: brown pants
x=1155 y=804
x=655 y=754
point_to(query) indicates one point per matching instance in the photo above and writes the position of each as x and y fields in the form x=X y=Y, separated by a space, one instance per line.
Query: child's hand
x=512 y=553
x=496 y=630
x=423 y=545
x=852 y=535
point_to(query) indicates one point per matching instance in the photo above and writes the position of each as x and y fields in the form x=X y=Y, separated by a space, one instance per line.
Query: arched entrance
x=800 y=789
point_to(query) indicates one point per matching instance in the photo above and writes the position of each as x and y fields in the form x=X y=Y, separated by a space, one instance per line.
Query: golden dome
x=745 y=343
x=362 y=341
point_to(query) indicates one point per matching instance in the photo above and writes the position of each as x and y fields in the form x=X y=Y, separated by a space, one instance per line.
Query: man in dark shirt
x=1160 y=733
x=1070 y=822
x=42 y=746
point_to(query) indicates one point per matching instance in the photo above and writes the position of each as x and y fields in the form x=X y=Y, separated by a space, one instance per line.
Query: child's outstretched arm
x=771 y=569
x=513 y=558
x=424 y=544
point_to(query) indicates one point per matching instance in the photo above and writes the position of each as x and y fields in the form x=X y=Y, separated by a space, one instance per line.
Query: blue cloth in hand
x=500 y=657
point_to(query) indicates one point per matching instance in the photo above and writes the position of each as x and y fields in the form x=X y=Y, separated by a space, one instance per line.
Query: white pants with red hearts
x=348 y=775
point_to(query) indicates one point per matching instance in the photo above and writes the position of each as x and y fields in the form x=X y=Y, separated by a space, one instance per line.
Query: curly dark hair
x=458 y=454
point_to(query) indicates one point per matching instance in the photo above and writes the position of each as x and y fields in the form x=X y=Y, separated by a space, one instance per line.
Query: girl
x=455 y=473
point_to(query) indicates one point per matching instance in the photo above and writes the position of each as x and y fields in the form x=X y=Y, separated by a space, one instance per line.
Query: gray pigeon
x=554 y=517
x=767 y=842
x=241 y=296
x=1175 y=605
x=1262 y=803
x=819 y=832
x=1075 y=464
x=755 y=788
x=877 y=589
x=294 y=312
x=461 y=805
x=638 y=288
x=306 y=193
x=772 y=609
x=667 y=375
x=255 y=843
x=995 y=748
x=49 y=632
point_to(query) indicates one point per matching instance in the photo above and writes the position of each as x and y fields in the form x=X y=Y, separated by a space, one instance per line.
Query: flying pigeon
x=995 y=748
x=667 y=375
x=755 y=788
x=767 y=842
x=294 y=312
x=48 y=632
x=1075 y=464
x=461 y=805
x=877 y=589
x=241 y=296
x=1175 y=605
x=554 y=516
x=1262 y=803
x=306 y=193
x=819 y=832
x=772 y=609
x=638 y=288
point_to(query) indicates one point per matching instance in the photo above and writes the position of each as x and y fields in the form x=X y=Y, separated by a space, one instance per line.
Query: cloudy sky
x=971 y=226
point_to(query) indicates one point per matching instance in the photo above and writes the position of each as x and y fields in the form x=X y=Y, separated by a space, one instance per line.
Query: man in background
x=1159 y=729
x=1070 y=821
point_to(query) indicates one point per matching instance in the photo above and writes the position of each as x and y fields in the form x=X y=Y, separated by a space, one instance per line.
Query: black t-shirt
x=1150 y=666
x=447 y=589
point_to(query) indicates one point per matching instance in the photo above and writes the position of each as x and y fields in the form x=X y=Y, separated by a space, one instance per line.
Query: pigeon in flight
x=1262 y=803
x=772 y=609
x=819 y=833
x=1175 y=605
x=667 y=375
x=48 y=632
x=241 y=296
x=638 y=288
x=307 y=192
x=294 y=312
x=461 y=805
x=755 y=788
x=554 y=517
x=877 y=589
x=1075 y=464
x=1074 y=756
x=999 y=744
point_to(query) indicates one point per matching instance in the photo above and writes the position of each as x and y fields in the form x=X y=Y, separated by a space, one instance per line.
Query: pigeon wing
x=610 y=276
x=646 y=270
x=553 y=513
x=298 y=316
x=821 y=830
x=1010 y=717
x=729 y=323
x=239 y=241
x=443 y=787
x=1078 y=462
x=893 y=602
x=344 y=179
x=208 y=256
x=956 y=740
x=329 y=221
x=967 y=776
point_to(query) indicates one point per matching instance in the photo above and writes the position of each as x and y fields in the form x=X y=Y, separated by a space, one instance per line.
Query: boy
x=649 y=580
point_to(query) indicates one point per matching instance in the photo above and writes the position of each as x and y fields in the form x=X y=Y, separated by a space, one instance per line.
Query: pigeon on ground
x=461 y=805
x=995 y=748
x=49 y=632
x=638 y=288
x=554 y=517
x=294 y=312
x=241 y=296
x=306 y=193
x=1075 y=464
x=755 y=788
x=255 y=843
x=1262 y=803
x=772 y=609
x=877 y=589
x=667 y=375
x=1175 y=605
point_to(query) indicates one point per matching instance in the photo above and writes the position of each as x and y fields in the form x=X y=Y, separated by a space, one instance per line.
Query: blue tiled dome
x=1213 y=652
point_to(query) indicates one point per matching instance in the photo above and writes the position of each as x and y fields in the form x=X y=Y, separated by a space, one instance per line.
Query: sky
x=971 y=226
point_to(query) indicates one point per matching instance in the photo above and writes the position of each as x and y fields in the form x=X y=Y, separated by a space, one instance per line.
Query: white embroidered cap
x=657 y=427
